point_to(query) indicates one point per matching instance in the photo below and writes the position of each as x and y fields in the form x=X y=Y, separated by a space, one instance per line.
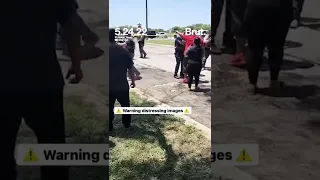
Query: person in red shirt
x=189 y=42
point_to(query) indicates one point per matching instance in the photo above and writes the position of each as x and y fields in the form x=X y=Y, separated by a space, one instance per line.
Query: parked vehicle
x=151 y=34
x=162 y=35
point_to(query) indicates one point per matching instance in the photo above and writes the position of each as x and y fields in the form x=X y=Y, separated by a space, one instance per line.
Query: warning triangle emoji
x=118 y=111
x=30 y=156
x=244 y=157
x=186 y=111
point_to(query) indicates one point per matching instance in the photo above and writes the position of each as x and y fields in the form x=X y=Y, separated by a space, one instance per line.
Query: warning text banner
x=152 y=110
x=62 y=154
x=234 y=154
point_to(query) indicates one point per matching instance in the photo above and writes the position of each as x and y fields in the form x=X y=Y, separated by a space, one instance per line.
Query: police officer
x=267 y=24
x=194 y=57
x=178 y=52
x=141 y=41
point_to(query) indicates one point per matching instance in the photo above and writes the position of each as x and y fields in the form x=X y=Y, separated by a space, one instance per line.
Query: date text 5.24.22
x=130 y=31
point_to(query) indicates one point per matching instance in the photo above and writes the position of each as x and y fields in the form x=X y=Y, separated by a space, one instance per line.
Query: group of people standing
x=250 y=27
x=191 y=53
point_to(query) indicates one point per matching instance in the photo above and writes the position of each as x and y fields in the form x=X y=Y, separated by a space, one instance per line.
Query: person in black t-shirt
x=194 y=56
x=31 y=81
x=120 y=63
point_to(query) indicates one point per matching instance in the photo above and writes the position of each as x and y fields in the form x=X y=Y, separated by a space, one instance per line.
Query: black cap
x=112 y=35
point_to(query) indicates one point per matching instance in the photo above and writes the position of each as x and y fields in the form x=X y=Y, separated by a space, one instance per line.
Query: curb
x=223 y=173
x=188 y=121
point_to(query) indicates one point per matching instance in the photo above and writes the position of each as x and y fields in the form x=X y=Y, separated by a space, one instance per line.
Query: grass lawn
x=171 y=35
x=159 y=148
x=84 y=125
x=161 y=41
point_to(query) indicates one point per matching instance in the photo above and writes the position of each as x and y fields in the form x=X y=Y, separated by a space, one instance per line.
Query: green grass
x=159 y=148
x=83 y=125
x=161 y=41
x=171 y=34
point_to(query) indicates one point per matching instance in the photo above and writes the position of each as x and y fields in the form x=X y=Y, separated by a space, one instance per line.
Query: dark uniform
x=120 y=62
x=141 y=40
x=194 y=66
x=178 y=52
x=267 y=24
x=32 y=82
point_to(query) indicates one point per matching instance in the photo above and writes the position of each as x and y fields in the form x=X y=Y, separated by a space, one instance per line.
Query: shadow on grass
x=159 y=147
x=83 y=125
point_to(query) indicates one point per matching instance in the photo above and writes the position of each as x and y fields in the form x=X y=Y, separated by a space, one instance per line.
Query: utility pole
x=147 y=14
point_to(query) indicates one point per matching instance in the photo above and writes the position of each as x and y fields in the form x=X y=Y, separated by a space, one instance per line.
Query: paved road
x=157 y=80
x=156 y=71
x=286 y=127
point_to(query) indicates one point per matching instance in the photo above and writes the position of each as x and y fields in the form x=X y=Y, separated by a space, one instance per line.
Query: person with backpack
x=194 y=62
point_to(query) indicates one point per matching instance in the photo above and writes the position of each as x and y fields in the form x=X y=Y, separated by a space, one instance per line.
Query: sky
x=162 y=14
